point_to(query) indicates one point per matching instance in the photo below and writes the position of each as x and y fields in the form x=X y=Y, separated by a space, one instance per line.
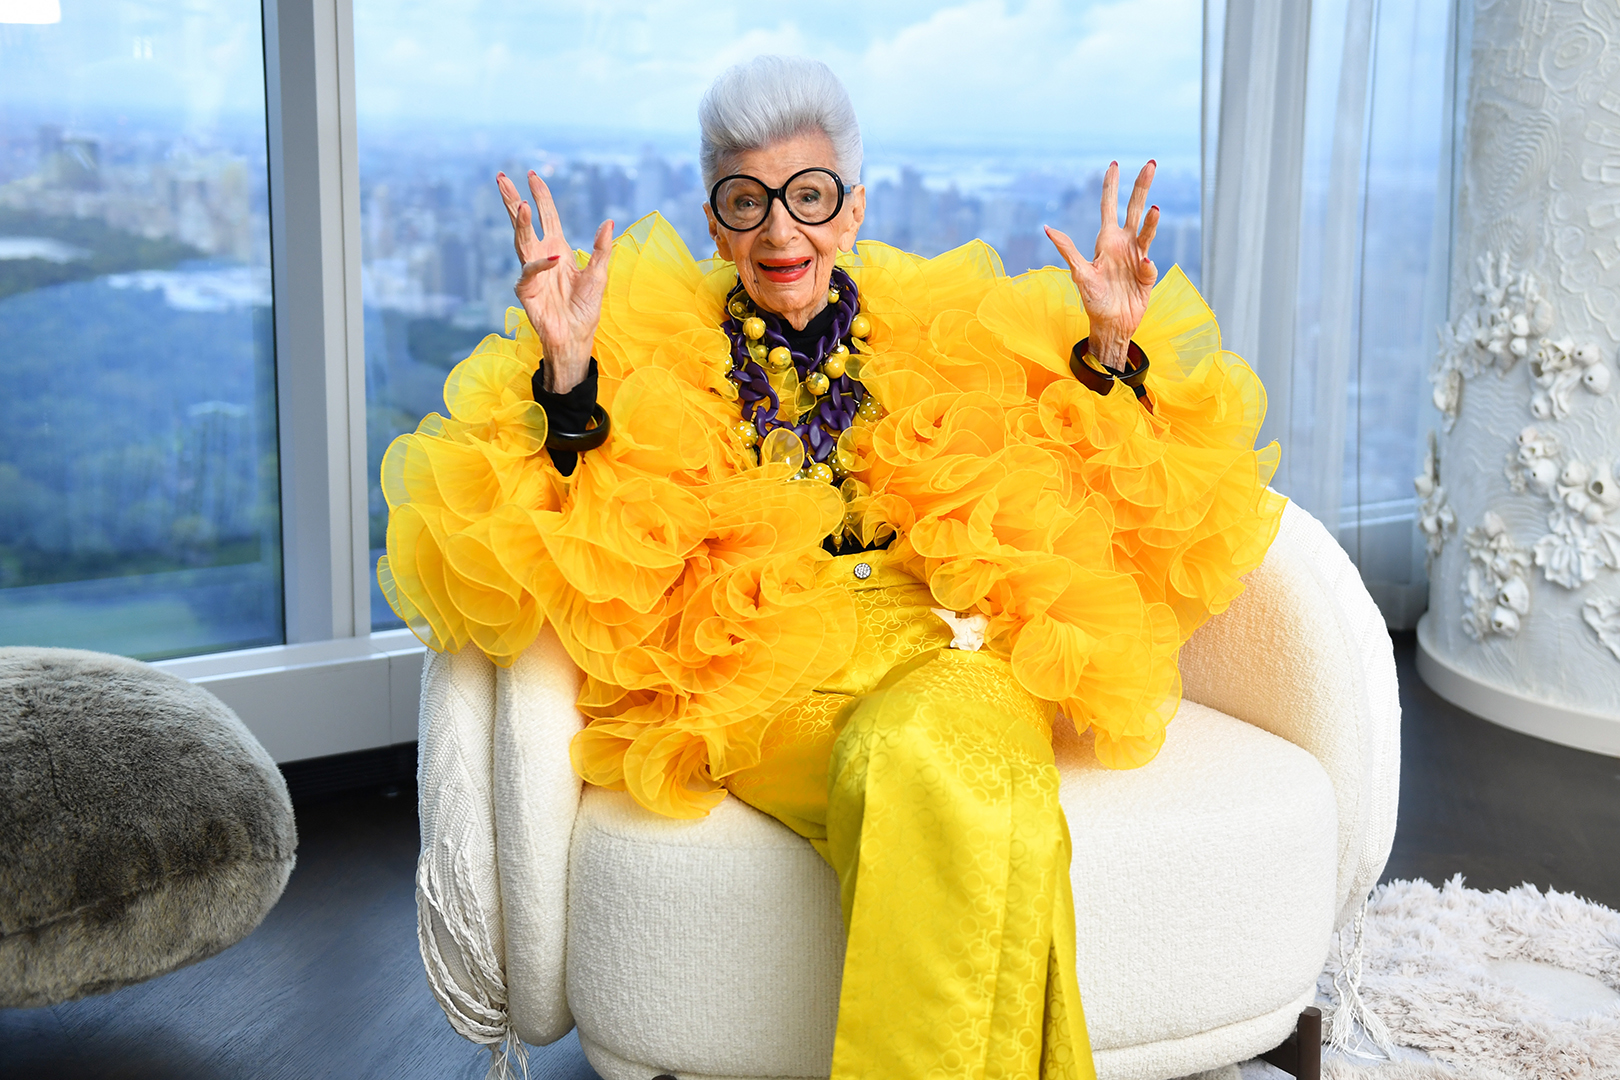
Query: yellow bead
x=832 y=296
x=819 y=471
x=739 y=308
x=754 y=328
x=779 y=359
x=861 y=326
x=869 y=409
x=833 y=366
x=816 y=383
x=840 y=349
x=745 y=432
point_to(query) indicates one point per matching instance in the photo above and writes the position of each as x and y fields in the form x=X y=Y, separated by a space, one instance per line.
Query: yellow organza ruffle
x=680 y=575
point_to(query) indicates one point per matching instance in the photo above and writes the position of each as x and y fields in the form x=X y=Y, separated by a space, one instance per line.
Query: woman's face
x=784 y=264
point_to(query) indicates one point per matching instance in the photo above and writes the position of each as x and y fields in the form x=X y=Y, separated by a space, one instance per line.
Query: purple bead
x=758 y=399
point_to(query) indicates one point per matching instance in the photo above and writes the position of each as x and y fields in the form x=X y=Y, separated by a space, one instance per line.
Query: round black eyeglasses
x=812 y=197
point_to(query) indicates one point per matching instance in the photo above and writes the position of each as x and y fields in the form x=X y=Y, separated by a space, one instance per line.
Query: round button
x=863 y=570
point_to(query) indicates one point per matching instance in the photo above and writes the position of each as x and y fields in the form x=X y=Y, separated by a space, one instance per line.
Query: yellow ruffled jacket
x=681 y=576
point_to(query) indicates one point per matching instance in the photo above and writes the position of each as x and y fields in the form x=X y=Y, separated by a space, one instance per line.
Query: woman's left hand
x=1116 y=283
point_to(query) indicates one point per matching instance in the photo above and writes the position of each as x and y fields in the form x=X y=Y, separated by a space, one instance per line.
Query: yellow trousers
x=924 y=775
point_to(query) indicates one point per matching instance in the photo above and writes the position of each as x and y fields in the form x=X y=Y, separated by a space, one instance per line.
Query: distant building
x=72 y=162
x=437 y=245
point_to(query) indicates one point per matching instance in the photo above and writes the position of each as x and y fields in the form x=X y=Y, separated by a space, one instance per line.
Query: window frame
x=335 y=686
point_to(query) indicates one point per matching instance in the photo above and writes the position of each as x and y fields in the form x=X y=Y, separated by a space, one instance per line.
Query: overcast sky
x=1082 y=73
x=1078 y=77
x=201 y=58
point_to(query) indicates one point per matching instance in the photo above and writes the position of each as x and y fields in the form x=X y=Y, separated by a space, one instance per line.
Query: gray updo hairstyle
x=776 y=97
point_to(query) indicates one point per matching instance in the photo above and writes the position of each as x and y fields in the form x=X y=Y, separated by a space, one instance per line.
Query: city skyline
x=433 y=228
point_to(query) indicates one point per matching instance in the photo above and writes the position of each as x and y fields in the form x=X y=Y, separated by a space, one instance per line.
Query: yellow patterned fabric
x=953 y=861
x=895 y=624
x=684 y=578
x=925 y=776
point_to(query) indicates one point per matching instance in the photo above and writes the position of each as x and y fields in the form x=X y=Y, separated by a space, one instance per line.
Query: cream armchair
x=1207 y=884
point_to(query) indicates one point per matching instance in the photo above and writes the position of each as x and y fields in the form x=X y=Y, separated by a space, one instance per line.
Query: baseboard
x=1593 y=732
x=318 y=779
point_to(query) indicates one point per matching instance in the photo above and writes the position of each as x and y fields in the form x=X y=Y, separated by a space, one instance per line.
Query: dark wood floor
x=331 y=985
x=1498 y=807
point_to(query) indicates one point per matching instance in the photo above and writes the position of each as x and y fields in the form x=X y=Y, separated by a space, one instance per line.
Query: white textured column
x=1523 y=508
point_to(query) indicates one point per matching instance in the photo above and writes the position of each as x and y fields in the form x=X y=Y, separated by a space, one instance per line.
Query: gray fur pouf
x=142 y=827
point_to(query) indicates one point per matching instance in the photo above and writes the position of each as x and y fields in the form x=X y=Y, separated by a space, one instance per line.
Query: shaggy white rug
x=1516 y=985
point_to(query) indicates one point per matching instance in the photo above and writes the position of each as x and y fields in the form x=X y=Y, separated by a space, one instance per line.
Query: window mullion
x=314 y=199
x=354 y=355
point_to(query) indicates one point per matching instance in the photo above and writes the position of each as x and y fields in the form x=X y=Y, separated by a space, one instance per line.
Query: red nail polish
x=1152 y=161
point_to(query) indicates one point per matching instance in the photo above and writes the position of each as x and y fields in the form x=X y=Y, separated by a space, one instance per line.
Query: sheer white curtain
x=1327 y=155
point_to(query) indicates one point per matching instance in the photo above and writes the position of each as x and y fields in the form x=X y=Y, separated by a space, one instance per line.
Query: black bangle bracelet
x=1100 y=378
x=589 y=439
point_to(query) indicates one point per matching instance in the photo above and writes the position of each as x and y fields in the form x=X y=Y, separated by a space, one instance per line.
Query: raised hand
x=563 y=300
x=1116 y=282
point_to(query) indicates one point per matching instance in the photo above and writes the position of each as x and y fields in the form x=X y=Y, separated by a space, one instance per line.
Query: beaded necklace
x=816 y=397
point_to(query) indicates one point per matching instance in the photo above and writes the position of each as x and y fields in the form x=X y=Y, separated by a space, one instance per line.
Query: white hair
x=771 y=98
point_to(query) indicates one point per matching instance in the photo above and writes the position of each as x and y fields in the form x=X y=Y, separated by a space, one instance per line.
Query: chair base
x=1300 y=1055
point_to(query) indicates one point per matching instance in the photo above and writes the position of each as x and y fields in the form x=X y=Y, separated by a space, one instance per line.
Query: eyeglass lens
x=812 y=197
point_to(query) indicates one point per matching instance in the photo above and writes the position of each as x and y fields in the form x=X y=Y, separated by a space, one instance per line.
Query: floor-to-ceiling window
x=982 y=119
x=139 y=502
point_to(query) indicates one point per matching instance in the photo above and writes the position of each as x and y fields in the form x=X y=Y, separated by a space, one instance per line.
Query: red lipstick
x=783 y=271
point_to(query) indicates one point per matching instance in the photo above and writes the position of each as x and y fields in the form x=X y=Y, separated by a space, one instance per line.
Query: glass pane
x=602 y=100
x=139 y=502
x=1389 y=386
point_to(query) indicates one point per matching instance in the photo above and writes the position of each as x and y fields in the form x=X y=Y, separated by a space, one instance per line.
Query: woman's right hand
x=563 y=300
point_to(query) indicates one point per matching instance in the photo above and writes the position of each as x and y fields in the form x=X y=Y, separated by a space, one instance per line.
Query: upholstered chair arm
x=497 y=806
x=536 y=800
x=1304 y=654
x=457 y=892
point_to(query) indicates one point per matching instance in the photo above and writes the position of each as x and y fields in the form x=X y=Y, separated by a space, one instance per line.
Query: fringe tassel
x=1350 y=1011
x=477 y=1011
x=508 y=1060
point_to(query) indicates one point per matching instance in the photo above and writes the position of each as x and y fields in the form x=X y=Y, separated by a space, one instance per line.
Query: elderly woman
x=844 y=532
